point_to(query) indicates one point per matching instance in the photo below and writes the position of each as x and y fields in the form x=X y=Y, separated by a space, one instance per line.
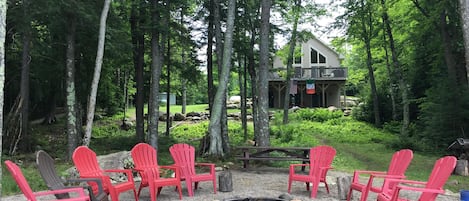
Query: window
x=316 y=57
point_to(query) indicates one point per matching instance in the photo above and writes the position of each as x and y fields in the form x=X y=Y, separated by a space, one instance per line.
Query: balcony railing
x=318 y=73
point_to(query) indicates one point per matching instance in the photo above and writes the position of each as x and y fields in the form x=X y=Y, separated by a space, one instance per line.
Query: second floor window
x=317 y=58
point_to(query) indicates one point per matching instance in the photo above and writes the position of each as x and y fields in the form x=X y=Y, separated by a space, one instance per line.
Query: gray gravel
x=261 y=182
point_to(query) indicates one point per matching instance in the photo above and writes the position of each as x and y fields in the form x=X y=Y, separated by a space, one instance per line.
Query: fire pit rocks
x=283 y=197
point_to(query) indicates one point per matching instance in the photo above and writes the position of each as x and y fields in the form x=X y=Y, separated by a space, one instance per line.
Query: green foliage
x=318 y=114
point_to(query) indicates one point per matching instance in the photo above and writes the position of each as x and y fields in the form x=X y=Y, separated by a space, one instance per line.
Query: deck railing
x=323 y=73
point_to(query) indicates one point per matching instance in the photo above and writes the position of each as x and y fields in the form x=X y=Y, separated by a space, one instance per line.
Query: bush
x=318 y=114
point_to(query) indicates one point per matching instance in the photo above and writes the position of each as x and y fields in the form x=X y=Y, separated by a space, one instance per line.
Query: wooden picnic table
x=248 y=153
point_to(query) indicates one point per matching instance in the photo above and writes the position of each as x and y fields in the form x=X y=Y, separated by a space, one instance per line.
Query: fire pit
x=254 y=199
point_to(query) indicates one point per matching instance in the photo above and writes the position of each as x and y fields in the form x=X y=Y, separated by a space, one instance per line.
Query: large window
x=316 y=57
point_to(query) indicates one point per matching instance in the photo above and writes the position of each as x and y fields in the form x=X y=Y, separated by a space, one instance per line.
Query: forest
x=408 y=61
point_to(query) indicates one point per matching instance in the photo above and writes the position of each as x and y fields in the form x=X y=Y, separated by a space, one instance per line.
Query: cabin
x=317 y=78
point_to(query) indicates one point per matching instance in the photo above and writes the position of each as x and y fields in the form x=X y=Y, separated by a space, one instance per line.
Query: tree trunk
x=400 y=77
x=25 y=70
x=138 y=40
x=168 y=85
x=157 y=55
x=216 y=143
x=210 y=29
x=72 y=132
x=263 y=85
x=97 y=73
x=392 y=80
x=253 y=76
x=448 y=55
x=367 y=29
x=3 y=12
x=291 y=51
x=464 y=5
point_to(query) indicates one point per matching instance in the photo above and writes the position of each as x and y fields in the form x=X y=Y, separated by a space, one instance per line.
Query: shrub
x=318 y=114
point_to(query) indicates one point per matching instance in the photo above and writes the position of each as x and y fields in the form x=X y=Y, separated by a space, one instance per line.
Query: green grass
x=359 y=145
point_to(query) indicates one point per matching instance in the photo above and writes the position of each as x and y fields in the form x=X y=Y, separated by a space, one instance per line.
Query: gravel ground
x=261 y=182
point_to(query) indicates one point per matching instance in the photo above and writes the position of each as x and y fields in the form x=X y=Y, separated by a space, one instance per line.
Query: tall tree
x=464 y=12
x=137 y=22
x=263 y=84
x=158 y=40
x=216 y=141
x=3 y=12
x=296 y=17
x=97 y=73
x=71 y=103
x=362 y=26
x=397 y=69
x=25 y=71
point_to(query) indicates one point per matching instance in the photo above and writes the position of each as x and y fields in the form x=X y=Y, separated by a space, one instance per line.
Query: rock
x=179 y=117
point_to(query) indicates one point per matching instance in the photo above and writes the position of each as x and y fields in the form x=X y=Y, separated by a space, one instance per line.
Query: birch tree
x=97 y=73
x=72 y=132
x=3 y=12
x=263 y=84
x=216 y=143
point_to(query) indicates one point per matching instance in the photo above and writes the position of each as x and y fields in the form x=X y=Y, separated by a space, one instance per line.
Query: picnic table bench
x=249 y=153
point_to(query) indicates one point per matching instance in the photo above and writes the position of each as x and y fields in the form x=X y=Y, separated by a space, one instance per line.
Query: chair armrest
x=78 y=190
x=378 y=189
x=205 y=164
x=293 y=166
x=398 y=188
x=388 y=182
x=175 y=168
x=127 y=172
x=96 y=180
x=209 y=165
x=357 y=173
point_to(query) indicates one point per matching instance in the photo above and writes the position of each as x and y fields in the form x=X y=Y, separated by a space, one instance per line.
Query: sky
x=280 y=40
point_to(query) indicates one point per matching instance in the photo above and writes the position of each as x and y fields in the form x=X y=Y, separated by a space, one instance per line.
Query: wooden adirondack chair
x=146 y=164
x=429 y=190
x=184 y=156
x=397 y=167
x=33 y=196
x=87 y=165
x=46 y=167
x=320 y=158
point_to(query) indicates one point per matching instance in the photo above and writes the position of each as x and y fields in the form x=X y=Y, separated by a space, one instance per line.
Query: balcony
x=316 y=73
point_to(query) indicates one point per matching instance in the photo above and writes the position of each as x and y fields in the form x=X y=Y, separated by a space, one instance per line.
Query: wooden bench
x=249 y=153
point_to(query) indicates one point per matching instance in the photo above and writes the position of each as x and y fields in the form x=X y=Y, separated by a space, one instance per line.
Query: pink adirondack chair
x=184 y=156
x=33 y=196
x=396 y=170
x=146 y=164
x=429 y=190
x=87 y=165
x=321 y=158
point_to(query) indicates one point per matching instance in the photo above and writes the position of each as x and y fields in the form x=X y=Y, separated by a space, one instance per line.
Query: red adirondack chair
x=146 y=164
x=32 y=196
x=184 y=156
x=87 y=165
x=320 y=158
x=396 y=170
x=429 y=190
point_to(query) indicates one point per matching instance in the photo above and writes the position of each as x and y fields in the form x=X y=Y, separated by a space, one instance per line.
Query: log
x=462 y=168
x=343 y=186
x=225 y=182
